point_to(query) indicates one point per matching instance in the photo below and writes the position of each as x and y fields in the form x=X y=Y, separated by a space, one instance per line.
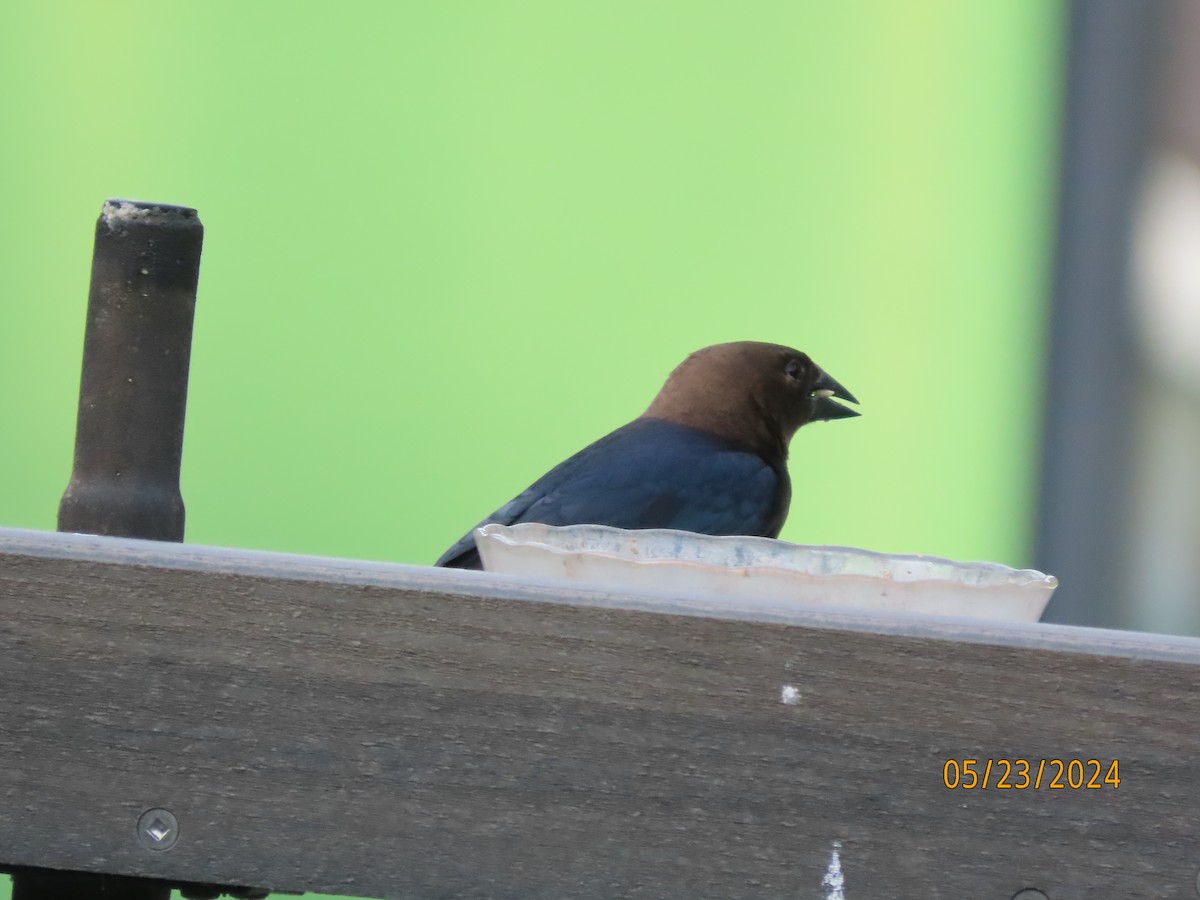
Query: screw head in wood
x=1029 y=894
x=158 y=829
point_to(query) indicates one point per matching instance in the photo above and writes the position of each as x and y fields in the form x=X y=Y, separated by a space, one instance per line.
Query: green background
x=449 y=244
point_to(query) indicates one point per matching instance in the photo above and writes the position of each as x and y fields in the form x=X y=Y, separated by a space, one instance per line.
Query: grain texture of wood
x=393 y=731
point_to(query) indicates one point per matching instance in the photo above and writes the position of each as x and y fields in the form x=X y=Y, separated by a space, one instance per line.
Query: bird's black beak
x=825 y=388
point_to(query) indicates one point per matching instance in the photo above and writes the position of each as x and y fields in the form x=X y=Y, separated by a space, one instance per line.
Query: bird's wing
x=649 y=474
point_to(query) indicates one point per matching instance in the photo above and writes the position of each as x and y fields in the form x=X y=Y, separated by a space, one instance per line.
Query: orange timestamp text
x=1027 y=774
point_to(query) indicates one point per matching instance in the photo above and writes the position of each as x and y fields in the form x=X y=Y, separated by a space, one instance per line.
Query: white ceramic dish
x=761 y=571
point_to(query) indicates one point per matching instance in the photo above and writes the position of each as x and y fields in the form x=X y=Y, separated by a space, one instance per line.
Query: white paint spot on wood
x=833 y=882
x=789 y=695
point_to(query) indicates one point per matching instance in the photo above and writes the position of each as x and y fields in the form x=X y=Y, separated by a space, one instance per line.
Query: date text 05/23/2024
x=1025 y=774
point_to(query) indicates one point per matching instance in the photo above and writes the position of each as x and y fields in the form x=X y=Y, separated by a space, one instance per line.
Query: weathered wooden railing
x=395 y=731
x=202 y=717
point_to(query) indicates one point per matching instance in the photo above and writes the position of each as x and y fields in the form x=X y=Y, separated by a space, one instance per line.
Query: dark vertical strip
x=133 y=391
x=1088 y=424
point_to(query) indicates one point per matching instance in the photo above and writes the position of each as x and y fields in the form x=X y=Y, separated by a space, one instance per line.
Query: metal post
x=133 y=392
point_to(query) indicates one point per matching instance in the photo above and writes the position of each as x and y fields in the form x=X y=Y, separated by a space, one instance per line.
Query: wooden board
x=394 y=731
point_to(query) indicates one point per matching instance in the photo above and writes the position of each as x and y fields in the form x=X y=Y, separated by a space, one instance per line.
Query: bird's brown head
x=756 y=395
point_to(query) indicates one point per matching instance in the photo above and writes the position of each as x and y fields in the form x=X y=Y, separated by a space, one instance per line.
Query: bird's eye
x=794 y=369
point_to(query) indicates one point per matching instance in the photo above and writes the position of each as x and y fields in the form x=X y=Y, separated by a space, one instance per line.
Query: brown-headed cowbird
x=709 y=455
